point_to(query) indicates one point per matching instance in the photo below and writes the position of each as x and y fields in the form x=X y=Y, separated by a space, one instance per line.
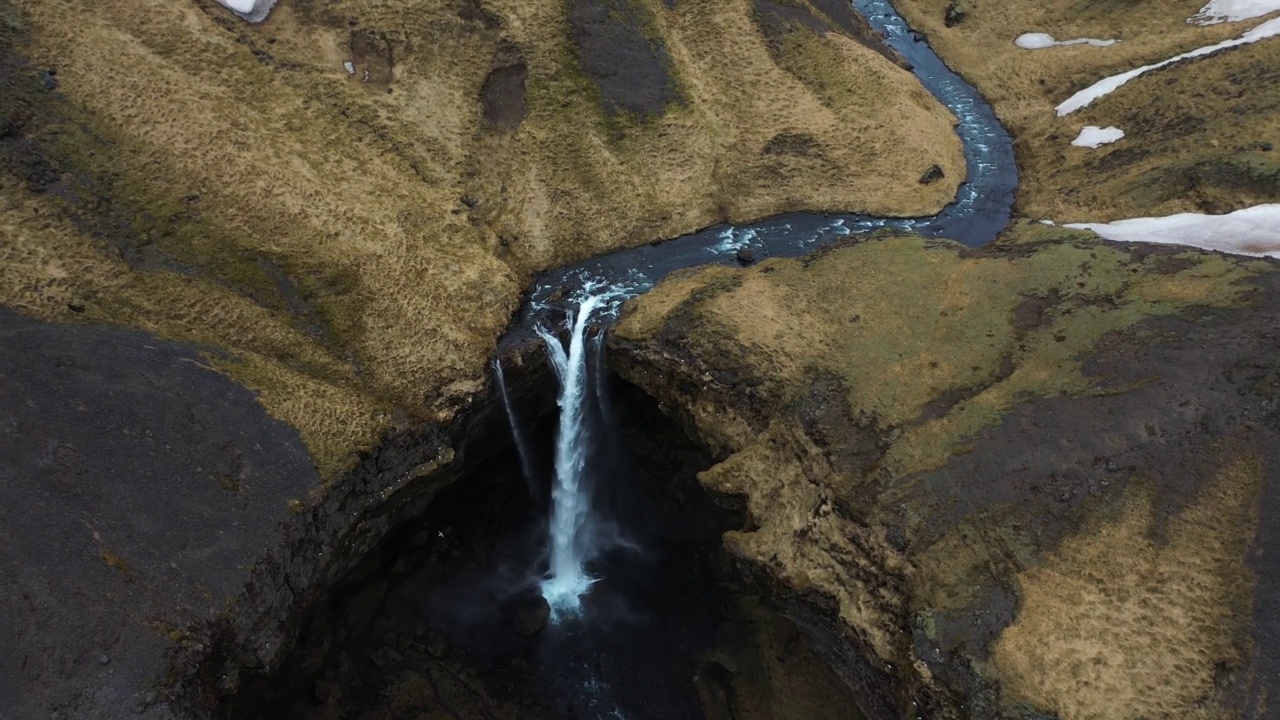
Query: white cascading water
x=517 y=430
x=572 y=527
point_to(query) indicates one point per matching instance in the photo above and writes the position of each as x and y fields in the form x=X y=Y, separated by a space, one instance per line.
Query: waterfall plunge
x=575 y=529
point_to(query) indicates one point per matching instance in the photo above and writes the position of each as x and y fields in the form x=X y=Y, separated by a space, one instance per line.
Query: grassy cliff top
x=928 y=342
x=1028 y=478
x=345 y=202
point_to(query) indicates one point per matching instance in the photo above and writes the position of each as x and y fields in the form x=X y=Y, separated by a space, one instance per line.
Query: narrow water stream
x=981 y=209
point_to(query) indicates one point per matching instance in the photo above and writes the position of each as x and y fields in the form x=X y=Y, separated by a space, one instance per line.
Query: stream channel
x=576 y=571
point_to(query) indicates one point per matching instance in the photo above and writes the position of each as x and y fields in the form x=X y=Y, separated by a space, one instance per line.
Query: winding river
x=979 y=212
x=566 y=303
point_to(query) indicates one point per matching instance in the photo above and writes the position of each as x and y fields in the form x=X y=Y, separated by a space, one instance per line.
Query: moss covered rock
x=1039 y=479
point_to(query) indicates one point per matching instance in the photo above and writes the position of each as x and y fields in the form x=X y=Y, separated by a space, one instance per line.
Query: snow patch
x=1092 y=136
x=254 y=11
x=1039 y=41
x=1218 y=11
x=1106 y=85
x=1253 y=231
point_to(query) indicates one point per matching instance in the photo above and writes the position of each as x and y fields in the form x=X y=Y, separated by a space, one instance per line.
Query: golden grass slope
x=1194 y=131
x=901 y=321
x=1080 y=648
x=358 y=247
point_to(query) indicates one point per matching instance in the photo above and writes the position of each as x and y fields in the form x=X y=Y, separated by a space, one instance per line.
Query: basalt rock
x=932 y=175
x=1038 y=480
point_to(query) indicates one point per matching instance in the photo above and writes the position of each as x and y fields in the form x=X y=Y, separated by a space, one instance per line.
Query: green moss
x=934 y=343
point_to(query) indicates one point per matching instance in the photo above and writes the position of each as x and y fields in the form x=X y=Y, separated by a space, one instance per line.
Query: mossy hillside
x=1063 y=652
x=913 y=429
x=378 y=233
x=903 y=323
x=1217 y=111
x=49 y=266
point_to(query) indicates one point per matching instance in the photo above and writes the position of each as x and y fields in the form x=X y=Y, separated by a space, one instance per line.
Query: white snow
x=1106 y=85
x=1035 y=41
x=254 y=11
x=1091 y=136
x=1253 y=231
x=1039 y=41
x=1233 y=11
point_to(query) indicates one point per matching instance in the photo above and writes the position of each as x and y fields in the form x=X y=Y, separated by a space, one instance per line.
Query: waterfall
x=573 y=525
x=517 y=431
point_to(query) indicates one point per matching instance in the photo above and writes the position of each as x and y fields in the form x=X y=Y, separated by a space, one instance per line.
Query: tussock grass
x=47 y=266
x=1082 y=646
x=902 y=321
x=833 y=385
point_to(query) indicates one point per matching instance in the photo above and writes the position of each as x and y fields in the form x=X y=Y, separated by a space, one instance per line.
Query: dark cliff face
x=139 y=486
x=1037 y=479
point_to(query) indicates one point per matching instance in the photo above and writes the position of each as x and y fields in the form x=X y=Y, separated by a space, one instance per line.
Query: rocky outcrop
x=1037 y=480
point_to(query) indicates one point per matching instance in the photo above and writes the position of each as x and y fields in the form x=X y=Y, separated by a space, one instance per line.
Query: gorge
x=591 y=536
x=820 y=465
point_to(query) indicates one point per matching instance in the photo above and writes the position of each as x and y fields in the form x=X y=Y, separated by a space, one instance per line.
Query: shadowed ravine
x=579 y=575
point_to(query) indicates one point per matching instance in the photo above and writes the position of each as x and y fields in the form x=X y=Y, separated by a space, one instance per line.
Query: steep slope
x=1199 y=134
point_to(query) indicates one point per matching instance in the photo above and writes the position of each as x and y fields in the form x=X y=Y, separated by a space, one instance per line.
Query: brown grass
x=900 y=325
x=1192 y=130
x=1118 y=625
x=222 y=160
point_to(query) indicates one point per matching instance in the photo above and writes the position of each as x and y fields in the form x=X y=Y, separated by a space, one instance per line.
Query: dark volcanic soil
x=631 y=70
x=137 y=486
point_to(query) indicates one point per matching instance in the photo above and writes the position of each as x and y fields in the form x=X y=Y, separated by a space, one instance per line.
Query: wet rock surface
x=1045 y=483
x=137 y=486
